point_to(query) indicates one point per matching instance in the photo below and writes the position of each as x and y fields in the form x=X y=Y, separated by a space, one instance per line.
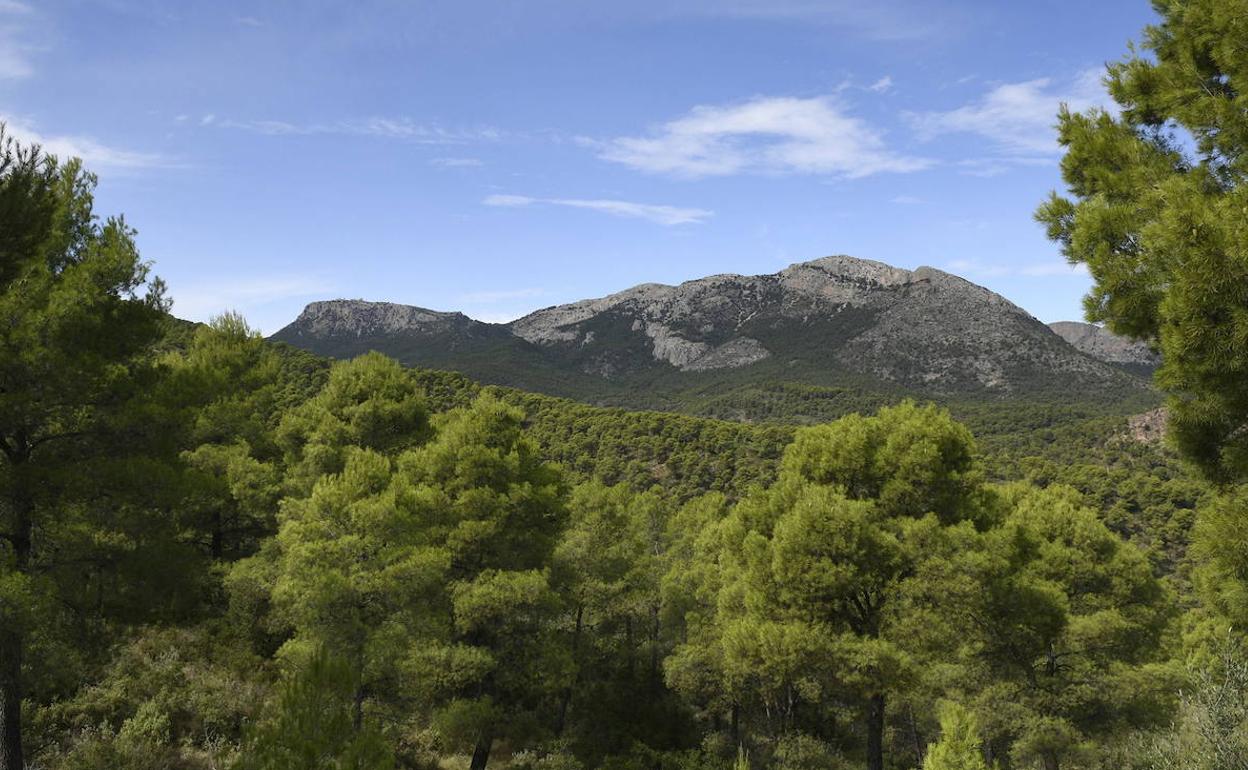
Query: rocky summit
x=828 y=322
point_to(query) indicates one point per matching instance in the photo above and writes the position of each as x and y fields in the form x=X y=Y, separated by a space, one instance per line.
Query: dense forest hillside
x=1140 y=486
x=932 y=535
x=836 y=329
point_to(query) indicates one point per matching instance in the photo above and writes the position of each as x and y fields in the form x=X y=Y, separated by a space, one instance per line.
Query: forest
x=220 y=552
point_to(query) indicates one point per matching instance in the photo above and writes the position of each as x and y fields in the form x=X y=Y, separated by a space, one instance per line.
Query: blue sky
x=497 y=157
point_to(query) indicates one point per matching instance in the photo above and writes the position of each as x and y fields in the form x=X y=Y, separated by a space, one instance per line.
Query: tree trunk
x=12 y=639
x=566 y=700
x=217 y=545
x=632 y=652
x=875 y=733
x=481 y=754
x=917 y=737
x=654 y=654
x=357 y=709
x=1050 y=760
x=11 y=700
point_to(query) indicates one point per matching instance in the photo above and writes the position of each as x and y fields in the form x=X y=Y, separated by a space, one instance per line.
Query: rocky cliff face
x=359 y=318
x=349 y=327
x=922 y=327
x=818 y=322
x=1104 y=345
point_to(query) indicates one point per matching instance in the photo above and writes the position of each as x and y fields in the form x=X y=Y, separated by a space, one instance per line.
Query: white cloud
x=94 y=154
x=663 y=215
x=1017 y=118
x=882 y=85
x=380 y=127
x=983 y=167
x=248 y=21
x=773 y=135
x=976 y=269
x=511 y=200
x=908 y=200
x=456 y=162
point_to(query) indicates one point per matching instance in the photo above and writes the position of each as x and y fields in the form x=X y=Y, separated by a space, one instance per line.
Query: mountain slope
x=1104 y=345
x=838 y=324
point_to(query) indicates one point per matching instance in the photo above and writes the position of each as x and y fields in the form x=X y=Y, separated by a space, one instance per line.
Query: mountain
x=855 y=328
x=1104 y=345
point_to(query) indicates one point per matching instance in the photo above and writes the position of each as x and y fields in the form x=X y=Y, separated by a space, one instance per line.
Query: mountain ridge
x=1104 y=345
x=837 y=321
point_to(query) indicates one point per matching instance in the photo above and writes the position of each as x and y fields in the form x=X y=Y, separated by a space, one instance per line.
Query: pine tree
x=80 y=443
x=960 y=746
x=1160 y=220
x=311 y=726
x=812 y=573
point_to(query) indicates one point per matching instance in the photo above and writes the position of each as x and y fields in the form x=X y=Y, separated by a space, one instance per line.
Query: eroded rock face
x=1149 y=427
x=920 y=326
x=737 y=352
x=358 y=317
x=811 y=321
x=695 y=326
x=1104 y=345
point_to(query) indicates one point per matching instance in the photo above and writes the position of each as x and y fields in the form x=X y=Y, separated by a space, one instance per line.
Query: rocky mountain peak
x=359 y=317
x=822 y=321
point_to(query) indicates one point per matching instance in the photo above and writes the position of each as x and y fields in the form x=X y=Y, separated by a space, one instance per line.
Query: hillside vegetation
x=221 y=552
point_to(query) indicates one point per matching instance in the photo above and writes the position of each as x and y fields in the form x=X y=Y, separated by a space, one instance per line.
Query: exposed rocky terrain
x=1104 y=345
x=826 y=322
x=356 y=318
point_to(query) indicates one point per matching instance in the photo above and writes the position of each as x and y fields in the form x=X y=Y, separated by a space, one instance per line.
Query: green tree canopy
x=812 y=574
x=80 y=444
x=1062 y=625
x=1156 y=210
x=310 y=726
x=370 y=402
x=230 y=377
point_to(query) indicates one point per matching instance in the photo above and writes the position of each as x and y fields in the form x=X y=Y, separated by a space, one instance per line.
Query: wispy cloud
x=456 y=162
x=883 y=85
x=15 y=48
x=884 y=20
x=248 y=21
x=976 y=269
x=1016 y=118
x=908 y=200
x=378 y=127
x=663 y=215
x=769 y=135
x=94 y=154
